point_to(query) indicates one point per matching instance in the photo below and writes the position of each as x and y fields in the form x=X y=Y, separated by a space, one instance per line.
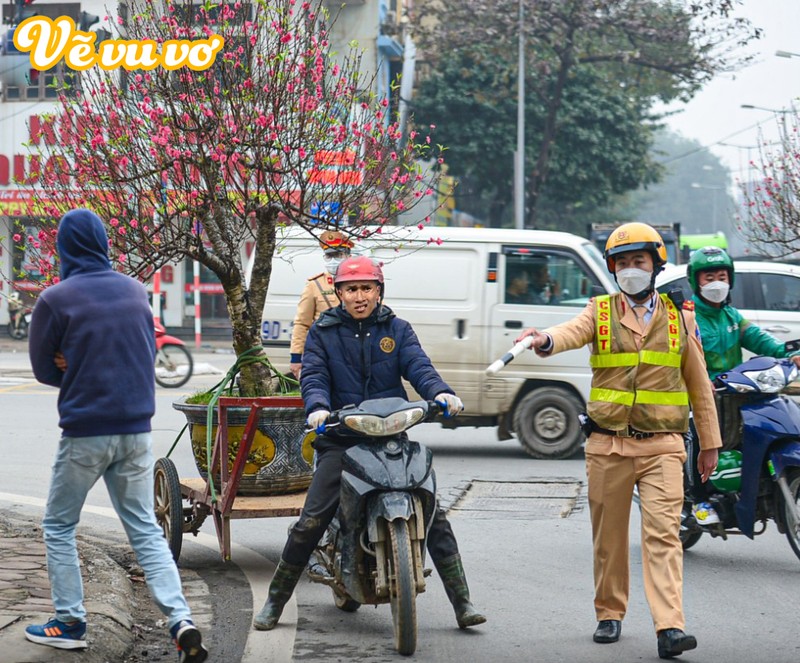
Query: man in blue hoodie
x=92 y=337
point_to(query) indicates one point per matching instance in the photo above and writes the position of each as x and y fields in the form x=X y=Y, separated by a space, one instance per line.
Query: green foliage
x=624 y=55
x=601 y=147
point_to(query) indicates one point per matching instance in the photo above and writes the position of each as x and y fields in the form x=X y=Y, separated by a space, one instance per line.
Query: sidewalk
x=25 y=598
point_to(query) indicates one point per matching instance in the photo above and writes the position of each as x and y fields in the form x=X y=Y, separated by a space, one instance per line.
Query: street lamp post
x=696 y=185
x=519 y=155
x=768 y=110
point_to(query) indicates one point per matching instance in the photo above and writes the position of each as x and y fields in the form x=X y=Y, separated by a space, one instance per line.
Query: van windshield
x=597 y=257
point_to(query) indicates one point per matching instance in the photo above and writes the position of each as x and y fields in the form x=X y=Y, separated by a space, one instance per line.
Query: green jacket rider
x=724 y=330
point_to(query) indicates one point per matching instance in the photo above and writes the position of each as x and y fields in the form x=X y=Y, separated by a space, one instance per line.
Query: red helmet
x=359 y=268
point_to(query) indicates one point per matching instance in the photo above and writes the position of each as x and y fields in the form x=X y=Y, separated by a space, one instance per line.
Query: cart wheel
x=169 y=504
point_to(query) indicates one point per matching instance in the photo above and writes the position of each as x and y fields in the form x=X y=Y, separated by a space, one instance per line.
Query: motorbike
x=19 y=317
x=374 y=550
x=174 y=364
x=761 y=481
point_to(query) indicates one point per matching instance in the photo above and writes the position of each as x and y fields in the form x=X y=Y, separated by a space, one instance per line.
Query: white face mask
x=632 y=281
x=331 y=261
x=332 y=264
x=715 y=292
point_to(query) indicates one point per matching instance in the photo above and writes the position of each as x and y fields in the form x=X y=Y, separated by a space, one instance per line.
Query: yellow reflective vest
x=638 y=387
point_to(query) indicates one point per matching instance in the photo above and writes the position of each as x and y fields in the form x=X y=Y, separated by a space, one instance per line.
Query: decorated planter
x=281 y=457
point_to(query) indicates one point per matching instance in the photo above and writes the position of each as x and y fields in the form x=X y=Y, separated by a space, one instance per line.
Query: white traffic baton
x=509 y=356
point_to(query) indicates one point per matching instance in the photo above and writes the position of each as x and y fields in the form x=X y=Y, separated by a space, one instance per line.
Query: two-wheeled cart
x=218 y=499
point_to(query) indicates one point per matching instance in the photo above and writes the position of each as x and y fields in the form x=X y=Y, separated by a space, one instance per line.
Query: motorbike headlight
x=373 y=426
x=770 y=381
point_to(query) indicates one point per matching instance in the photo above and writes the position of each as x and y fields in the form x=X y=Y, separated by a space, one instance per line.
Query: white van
x=451 y=284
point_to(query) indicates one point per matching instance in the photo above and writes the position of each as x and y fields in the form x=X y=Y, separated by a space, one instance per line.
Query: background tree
x=648 y=49
x=191 y=164
x=770 y=218
x=602 y=151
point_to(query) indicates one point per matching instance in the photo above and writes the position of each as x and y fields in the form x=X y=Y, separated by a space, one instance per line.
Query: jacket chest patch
x=387 y=344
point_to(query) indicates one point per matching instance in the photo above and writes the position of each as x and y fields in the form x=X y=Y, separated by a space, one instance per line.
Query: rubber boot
x=455 y=584
x=280 y=591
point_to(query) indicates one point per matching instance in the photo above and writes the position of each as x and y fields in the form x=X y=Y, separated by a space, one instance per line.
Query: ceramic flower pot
x=281 y=457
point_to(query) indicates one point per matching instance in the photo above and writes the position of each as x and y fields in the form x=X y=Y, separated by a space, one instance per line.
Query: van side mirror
x=597 y=291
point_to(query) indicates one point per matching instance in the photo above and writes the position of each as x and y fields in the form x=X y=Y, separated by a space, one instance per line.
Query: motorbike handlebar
x=434 y=409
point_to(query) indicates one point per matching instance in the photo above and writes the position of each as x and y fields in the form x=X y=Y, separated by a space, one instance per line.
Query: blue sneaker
x=189 y=642
x=58 y=634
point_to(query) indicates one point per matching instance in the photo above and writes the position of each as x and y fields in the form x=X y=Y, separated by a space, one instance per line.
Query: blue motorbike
x=760 y=481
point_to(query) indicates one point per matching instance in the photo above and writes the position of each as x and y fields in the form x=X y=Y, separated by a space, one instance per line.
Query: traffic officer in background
x=318 y=295
x=647 y=369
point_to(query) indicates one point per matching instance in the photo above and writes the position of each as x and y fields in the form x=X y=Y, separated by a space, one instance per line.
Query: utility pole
x=519 y=155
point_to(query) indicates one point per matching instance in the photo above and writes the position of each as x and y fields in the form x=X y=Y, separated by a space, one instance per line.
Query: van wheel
x=546 y=423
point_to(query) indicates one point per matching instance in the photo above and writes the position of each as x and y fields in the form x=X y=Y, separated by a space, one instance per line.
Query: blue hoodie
x=101 y=322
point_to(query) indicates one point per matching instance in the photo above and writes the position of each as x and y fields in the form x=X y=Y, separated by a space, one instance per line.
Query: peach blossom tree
x=770 y=217
x=192 y=164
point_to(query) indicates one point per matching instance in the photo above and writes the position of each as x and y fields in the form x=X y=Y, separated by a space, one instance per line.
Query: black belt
x=625 y=432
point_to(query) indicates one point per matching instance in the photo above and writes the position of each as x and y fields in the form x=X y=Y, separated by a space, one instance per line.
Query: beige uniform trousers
x=660 y=480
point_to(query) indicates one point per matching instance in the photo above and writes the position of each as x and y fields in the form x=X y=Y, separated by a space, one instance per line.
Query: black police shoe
x=673 y=642
x=608 y=630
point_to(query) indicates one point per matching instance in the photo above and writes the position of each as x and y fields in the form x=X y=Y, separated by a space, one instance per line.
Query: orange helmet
x=334 y=240
x=635 y=237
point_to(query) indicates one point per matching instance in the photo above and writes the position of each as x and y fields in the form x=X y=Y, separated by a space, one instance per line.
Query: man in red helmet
x=354 y=352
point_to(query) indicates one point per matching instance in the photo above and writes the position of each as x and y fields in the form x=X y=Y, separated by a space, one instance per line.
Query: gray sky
x=714 y=115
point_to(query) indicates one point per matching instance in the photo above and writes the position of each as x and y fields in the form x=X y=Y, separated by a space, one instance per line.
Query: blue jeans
x=126 y=464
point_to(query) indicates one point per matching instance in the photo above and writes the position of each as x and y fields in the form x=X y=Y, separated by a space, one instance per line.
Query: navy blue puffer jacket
x=346 y=361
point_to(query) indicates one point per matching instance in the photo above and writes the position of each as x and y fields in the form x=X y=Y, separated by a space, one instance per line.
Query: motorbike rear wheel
x=18 y=331
x=174 y=365
x=689 y=536
x=792 y=533
x=402 y=588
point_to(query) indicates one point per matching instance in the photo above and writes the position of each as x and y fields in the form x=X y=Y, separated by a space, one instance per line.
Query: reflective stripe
x=660 y=358
x=644 y=397
x=673 y=327
x=662 y=397
x=613 y=360
x=603 y=324
x=611 y=396
x=632 y=359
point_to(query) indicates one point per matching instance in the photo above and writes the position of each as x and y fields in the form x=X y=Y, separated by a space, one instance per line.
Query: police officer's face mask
x=715 y=292
x=632 y=281
x=332 y=260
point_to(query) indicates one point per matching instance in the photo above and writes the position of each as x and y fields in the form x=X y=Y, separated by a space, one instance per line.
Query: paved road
x=526 y=549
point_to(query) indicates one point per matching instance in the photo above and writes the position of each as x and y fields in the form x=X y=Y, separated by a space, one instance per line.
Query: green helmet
x=728 y=475
x=709 y=257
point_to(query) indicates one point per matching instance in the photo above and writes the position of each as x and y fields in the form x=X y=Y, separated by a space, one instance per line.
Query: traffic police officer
x=318 y=295
x=647 y=368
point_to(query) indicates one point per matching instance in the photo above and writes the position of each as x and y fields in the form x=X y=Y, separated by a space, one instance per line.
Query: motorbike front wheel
x=402 y=588
x=793 y=533
x=174 y=365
